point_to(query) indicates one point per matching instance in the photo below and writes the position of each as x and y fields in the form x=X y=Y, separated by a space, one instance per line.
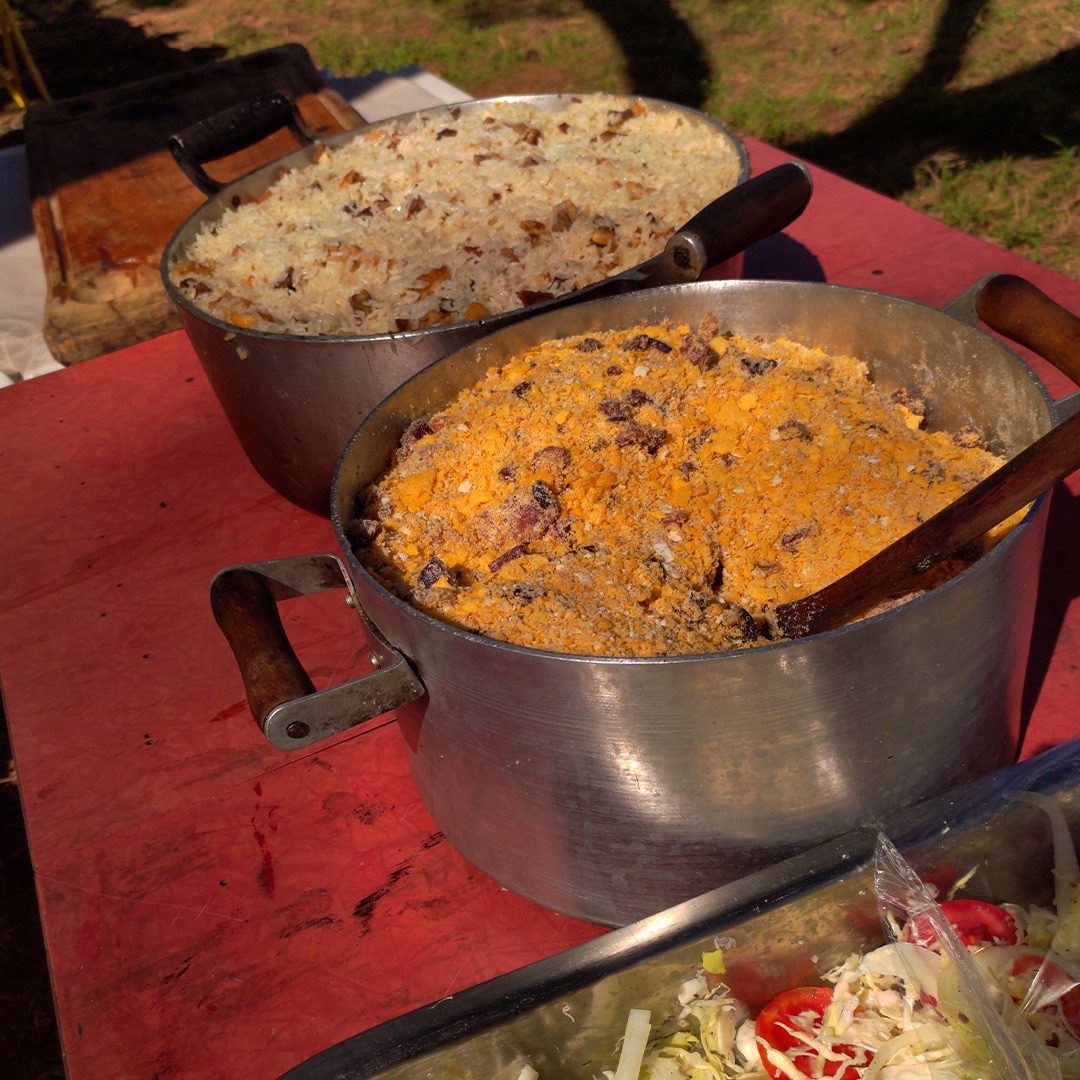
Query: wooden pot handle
x=1014 y=307
x=280 y=694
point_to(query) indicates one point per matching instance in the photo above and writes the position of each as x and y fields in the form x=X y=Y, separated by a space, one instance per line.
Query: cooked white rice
x=456 y=213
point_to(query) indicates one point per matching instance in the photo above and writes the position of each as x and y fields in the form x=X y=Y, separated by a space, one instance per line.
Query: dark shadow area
x=780 y=258
x=29 y=1042
x=664 y=58
x=1059 y=585
x=1033 y=112
x=79 y=50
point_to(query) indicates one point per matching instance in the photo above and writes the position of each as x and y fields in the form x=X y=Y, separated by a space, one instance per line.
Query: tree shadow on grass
x=664 y=58
x=1032 y=112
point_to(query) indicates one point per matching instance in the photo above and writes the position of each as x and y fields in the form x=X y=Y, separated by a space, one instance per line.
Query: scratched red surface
x=213 y=906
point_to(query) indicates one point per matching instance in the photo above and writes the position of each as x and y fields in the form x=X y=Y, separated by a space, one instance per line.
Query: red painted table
x=213 y=906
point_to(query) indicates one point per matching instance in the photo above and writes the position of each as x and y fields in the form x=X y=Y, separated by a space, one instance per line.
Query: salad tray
x=779 y=928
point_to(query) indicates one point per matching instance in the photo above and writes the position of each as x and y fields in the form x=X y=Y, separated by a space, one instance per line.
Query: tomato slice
x=1060 y=991
x=803 y=1008
x=975 y=922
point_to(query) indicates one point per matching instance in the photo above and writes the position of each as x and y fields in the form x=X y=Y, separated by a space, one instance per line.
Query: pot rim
x=936 y=595
x=301 y=156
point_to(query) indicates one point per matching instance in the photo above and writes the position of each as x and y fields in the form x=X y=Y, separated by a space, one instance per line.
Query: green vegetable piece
x=713 y=962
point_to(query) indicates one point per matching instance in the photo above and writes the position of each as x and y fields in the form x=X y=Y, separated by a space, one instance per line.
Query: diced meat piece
x=914 y=404
x=435 y=570
x=635 y=434
x=525 y=514
x=411 y=436
x=970 y=438
x=791 y=540
x=361 y=532
x=529 y=134
x=757 y=365
x=794 y=429
x=696 y=347
x=563 y=216
x=509 y=555
x=739 y=623
x=528 y=297
x=543 y=495
x=612 y=409
x=643 y=341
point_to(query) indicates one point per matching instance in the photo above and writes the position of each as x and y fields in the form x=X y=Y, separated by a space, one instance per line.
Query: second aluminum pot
x=609 y=789
x=294 y=400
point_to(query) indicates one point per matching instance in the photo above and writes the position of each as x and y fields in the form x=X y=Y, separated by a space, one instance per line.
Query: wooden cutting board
x=107 y=195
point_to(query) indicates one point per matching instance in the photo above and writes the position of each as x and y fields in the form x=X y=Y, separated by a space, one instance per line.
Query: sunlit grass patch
x=1027 y=204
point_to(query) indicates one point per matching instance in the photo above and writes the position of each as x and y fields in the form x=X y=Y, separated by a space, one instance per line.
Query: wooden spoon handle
x=1014 y=307
x=1033 y=471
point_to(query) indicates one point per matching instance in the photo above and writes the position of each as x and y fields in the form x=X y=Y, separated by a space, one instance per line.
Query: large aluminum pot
x=295 y=401
x=611 y=788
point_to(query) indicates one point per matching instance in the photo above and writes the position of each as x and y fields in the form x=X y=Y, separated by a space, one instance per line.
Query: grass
x=1017 y=202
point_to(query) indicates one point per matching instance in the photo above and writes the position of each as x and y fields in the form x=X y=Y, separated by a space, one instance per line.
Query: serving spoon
x=1016 y=308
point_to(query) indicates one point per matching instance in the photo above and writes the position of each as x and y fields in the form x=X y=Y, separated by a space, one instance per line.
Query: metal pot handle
x=233 y=129
x=1013 y=306
x=280 y=694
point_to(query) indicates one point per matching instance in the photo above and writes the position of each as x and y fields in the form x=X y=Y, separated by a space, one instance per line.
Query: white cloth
x=23 y=352
x=379 y=95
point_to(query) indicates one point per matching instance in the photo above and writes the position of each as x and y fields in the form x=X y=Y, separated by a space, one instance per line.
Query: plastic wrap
x=994 y=1033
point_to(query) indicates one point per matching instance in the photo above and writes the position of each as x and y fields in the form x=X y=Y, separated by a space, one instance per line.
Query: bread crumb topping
x=655 y=491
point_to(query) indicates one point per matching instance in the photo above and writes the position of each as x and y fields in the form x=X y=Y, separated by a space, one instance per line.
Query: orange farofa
x=655 y=491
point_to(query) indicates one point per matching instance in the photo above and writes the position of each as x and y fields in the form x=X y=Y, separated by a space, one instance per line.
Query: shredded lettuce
x=904 y=1011
x=1066 y=864
x=635 y=1040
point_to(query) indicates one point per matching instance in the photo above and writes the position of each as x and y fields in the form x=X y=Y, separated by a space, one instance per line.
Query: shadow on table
x=1059 y=585
x=29 y=1042
x=1033 y=112
x=781 y=258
